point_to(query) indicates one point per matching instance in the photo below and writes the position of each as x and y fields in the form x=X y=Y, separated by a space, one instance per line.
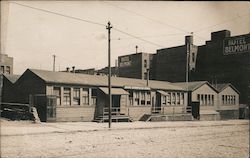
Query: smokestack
x=189 y=40
x=136 y=49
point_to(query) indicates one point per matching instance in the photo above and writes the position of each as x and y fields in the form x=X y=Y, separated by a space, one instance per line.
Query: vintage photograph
x=124 y=79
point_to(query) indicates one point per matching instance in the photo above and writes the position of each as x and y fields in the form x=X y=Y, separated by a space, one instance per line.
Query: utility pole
x=54 y=62
x=109 y=77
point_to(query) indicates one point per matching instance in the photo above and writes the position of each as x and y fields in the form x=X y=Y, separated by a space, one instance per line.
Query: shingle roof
x=12 y=78
x=85 y=79
x=193 y=85
x=221 y=87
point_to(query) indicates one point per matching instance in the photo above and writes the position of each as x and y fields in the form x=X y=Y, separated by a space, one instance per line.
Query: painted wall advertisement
x=237 y=45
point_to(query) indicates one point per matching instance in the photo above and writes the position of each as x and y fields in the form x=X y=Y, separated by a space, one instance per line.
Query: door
x=51 y=108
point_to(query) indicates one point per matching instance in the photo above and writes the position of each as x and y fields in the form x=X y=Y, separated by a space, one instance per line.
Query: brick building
x=135 y=65
x=170 y=64
x=6 y=64
x=226 y=59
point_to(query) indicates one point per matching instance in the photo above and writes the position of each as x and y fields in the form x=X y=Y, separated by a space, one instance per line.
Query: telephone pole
x=109 y=77
x=54 y=62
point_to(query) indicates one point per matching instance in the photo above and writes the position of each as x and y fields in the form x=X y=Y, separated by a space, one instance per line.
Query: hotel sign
x=125 y=61
x=236 y=45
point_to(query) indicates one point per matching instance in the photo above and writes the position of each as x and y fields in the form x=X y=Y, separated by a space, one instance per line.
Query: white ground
x=189 y=139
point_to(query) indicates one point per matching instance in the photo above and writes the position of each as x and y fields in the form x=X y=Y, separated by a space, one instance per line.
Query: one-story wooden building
x=204 y=93
x=228 y=101
x=219 y=101
x=65 y=96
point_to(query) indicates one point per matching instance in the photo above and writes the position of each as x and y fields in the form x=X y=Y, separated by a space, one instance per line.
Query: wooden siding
x=206 y=90
x=228 y=91
x=75 y=113
x=136 y=112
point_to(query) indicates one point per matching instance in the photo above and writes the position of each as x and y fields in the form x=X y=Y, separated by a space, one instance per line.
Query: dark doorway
x=116 y=101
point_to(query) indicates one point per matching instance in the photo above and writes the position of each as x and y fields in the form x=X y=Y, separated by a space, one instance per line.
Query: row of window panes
x=229 y=99
x=173 y=99
x=145 y=98
x=76 y=96
x=5 y=71
x=206 y=99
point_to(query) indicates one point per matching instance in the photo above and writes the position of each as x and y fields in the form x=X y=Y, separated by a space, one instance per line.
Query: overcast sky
x=31 y=36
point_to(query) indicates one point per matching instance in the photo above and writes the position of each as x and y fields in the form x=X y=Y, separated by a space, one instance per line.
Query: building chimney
x=73 y=69
x=189 y=40
x=136 y=49
x=67 y=69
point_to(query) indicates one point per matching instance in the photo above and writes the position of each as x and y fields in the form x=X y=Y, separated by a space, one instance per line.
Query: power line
x=59 y=14
x=149 y=36
x=137 y=37
x=149 y=18
x=88 y=21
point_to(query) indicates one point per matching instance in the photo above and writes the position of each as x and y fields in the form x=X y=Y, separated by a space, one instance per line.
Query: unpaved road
x=217 y=139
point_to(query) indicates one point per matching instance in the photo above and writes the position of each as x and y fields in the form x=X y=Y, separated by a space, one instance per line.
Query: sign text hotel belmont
x=236 y=45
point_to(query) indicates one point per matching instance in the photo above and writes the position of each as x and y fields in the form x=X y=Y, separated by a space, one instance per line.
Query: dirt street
x=190 y=139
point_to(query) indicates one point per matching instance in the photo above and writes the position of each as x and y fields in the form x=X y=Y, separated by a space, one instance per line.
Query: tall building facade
x=6 y=64
x=172 y=64
x=226 y=58
x=136 y=65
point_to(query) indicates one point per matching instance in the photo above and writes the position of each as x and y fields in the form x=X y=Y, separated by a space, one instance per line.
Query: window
x=198 y=97
x=231 y=98
x=168 y=99
x=143 y=98
x=173 y=99
x=145 y=63
x=193 y=57
x=212 y=100
x=202 y=99
x=223 y=99
x=205 y=99
x=148 y=98
x=137 y=99
x=209 y=99
x=93 y=96
x=164 y=100
x=85 y=96
x=76 y=96
x=182 y=98
x=131 y=97
x=7 y=69
x=178 y=99
x=234 y=99
x=57 y=93
x=2 y=69
x=66 y=96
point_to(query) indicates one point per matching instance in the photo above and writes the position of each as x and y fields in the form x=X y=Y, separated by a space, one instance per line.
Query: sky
x=75 y=31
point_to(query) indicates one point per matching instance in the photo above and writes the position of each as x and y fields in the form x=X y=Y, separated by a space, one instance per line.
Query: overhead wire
x=87 y=21
x=154 y=20
x=137 y=37
x=59 y=14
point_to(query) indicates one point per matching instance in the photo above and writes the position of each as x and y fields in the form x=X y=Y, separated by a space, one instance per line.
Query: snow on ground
x=180 y=139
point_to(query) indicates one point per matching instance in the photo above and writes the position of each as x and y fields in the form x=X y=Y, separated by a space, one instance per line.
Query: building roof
x=12 y=78
x=221 y=87
x=192 y=86
x=85 y=79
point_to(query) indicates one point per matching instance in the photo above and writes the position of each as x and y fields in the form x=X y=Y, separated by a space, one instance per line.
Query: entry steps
x=114 y=118
x=161 y=117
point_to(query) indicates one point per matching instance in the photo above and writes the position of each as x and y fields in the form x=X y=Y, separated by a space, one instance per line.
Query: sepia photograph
x=124 y=79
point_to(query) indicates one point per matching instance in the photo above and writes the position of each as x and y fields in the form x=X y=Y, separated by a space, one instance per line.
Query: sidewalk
x=16 y=128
